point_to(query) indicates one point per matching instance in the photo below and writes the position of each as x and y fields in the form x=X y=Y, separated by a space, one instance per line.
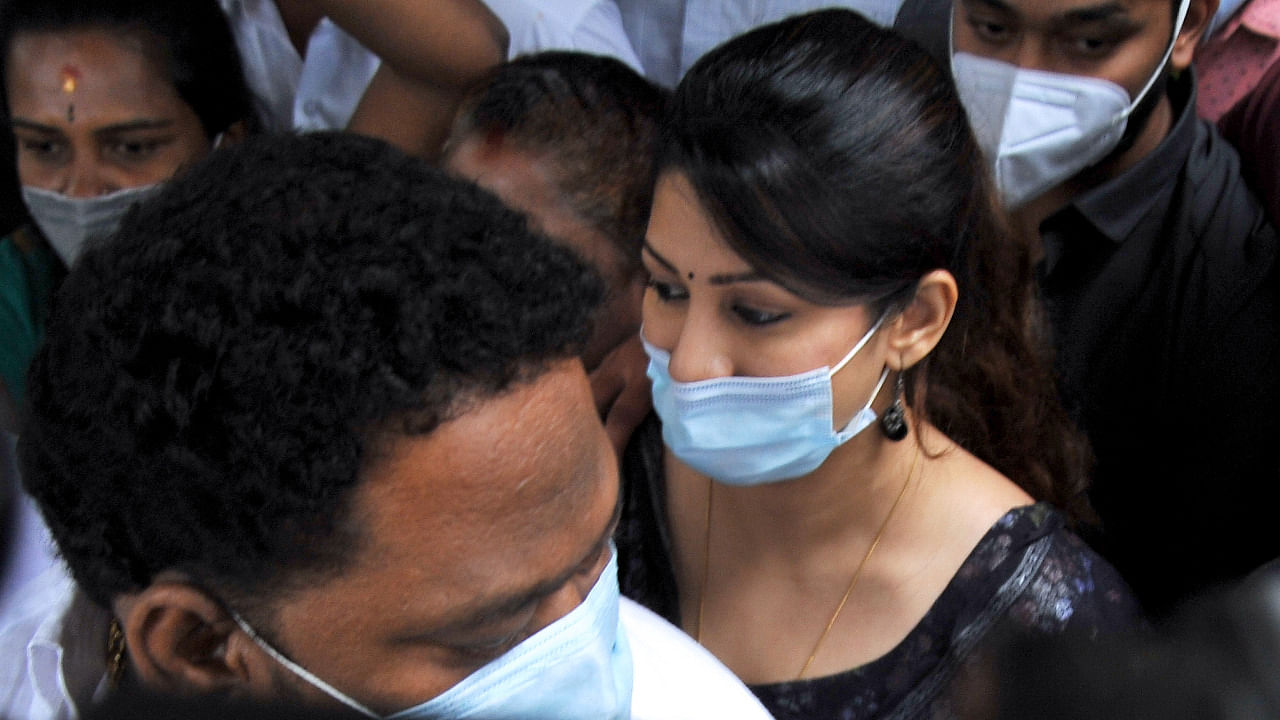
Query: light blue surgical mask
x=754 y=430
x=67 y=222
x=576 y=668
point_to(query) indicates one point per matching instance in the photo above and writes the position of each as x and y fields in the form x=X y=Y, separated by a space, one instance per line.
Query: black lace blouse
x=1028 y=571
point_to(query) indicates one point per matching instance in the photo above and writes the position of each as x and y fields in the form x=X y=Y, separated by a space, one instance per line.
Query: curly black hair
x=218 y=374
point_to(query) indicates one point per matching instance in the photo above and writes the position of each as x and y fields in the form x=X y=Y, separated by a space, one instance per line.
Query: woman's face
x=718 y=317
x=92 y=114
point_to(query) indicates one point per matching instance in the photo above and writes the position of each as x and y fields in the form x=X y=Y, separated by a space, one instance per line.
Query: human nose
x=698 y=353
x=1032 y=53
x=85 y=179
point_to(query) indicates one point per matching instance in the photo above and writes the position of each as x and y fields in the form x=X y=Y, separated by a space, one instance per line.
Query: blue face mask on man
x=577 y=668
x=754 y=430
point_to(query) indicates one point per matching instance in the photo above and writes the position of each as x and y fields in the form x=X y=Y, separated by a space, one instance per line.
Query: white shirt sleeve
x=601 y=33
x=676 y=678
x=318 y=92
x=590 y=26
x=671 y=35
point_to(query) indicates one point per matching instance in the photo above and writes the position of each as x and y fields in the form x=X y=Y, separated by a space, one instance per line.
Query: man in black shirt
x=1158 y=269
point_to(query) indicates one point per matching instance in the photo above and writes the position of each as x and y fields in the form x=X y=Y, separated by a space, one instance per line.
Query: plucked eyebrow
x=657 y=256
x=507 y=605
x=722 y=279
x=129 y=126
x=133 y=125
x=34 y=126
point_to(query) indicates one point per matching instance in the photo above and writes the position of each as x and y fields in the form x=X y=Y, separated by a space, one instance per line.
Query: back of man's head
x=591 y=119
x=218 y=375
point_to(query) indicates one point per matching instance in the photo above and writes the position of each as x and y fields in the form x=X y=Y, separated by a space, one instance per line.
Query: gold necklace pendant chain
x=853 y=582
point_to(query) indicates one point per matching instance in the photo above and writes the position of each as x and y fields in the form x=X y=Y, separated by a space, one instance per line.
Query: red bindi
x=70 y=78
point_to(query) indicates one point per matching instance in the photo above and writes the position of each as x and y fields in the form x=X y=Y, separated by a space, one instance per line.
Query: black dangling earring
x=894 y=421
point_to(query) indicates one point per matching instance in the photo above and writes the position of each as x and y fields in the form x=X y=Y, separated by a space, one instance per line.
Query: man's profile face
x=476 y=535
x=1118 y=40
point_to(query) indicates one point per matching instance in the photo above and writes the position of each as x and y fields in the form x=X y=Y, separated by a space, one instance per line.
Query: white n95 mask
x=754 y=430
x=577 y=668
x=1038 y=128
x=67 y=222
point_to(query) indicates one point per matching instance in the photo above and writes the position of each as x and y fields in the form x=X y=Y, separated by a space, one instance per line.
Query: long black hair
x=836 y=159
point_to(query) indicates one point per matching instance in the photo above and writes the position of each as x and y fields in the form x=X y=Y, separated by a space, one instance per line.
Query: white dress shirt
x=53 y=647
x=53 y=661
x=670 y=35
x=30 y=548
x=321 y=90
x=676 y=678
x=590 y=26
x=317 y=92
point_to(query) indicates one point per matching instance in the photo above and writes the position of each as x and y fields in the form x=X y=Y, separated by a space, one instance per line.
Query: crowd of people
x=639 y=359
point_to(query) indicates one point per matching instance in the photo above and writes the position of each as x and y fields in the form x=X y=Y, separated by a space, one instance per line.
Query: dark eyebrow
x=730 y=278
x=1095 y=13
x=992 y=4
x=724 y=279
x=133 y=125
x=34 y=126
x=510 y=604
x=658 y=256
x=130 y=126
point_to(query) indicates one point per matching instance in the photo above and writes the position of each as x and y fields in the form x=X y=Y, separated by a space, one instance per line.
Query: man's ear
x=1199 y=14
x=182 y=641
x=920 y=326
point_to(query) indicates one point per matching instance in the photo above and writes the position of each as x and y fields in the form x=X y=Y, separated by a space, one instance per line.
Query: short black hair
x=595 y=121
x=218 y=374
x=189 y=39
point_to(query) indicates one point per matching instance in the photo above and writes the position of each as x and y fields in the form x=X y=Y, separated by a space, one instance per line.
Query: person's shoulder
x=1223 y=210
x=676 y=677
x=1071 y=586
x=32 y=681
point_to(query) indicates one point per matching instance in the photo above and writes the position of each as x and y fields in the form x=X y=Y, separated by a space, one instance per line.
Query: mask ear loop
x=865 y=339
x=1183 y=7
x=300 y=671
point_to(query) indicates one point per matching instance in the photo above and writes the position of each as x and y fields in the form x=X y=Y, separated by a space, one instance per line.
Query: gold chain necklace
x=857 y=573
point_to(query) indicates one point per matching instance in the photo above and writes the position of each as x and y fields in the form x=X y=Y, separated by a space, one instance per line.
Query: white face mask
x=1040 y=128
x=67 y=222
x=577 y=668
x=754 y=430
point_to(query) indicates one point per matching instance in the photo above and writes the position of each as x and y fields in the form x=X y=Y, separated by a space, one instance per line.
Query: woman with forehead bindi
x=858 y=467
x=107 y=99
